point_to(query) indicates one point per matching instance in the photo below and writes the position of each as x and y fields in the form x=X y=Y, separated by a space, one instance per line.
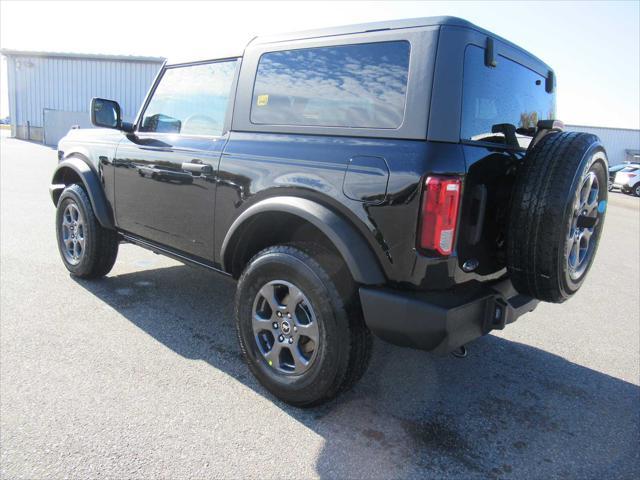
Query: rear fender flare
x=355 y=251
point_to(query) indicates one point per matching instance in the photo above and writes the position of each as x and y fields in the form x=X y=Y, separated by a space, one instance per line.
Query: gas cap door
x=366 y=179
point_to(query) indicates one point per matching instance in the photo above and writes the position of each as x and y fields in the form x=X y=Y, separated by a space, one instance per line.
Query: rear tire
x=313 y=369
x=87 y=249
x=557 y=214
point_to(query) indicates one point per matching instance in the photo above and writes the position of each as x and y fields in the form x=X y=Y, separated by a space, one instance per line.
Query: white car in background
x=628 y=179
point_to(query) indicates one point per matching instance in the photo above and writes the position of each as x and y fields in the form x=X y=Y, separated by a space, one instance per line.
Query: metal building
x=51 y=92
x=622 y=144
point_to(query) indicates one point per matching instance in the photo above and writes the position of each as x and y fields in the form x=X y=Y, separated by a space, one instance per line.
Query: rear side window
x=190 y=100
x=360 y=86
x=495 y=98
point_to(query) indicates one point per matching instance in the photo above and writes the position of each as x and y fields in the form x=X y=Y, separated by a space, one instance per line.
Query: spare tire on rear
x=557 y=214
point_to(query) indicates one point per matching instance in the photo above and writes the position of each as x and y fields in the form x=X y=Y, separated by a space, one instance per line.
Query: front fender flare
x=91 y=184
x=357 y=254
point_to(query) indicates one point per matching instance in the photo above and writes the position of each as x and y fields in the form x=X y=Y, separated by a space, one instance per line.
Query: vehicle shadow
x=506 y=411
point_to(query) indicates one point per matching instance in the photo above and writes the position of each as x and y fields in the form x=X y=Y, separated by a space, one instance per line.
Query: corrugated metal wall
x=617 y=141
x=67 y=84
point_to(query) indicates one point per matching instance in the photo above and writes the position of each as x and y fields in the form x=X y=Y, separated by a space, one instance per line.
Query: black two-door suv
x=404 y=178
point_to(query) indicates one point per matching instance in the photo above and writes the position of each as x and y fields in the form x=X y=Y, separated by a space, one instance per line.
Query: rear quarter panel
x=255 y=166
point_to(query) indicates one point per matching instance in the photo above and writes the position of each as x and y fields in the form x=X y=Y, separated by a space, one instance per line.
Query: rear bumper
x=442 y=321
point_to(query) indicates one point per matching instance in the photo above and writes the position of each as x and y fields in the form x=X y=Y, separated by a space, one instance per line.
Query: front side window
x=498 y=98
x=191 y=100
x=360 y=86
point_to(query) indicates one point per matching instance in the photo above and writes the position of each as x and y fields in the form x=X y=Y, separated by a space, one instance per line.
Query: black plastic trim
x=360 y=260
x=489 y=55
x=170 y=252
x=91 y=184
x=550 y=82
x=442 y=321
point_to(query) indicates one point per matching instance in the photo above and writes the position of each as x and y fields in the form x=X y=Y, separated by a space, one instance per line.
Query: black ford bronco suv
x=406 y=179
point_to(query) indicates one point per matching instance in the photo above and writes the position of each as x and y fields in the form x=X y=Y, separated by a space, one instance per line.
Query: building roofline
x=567 y=125
x=81 y=56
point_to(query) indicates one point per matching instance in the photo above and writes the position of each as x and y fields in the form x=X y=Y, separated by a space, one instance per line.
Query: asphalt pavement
x=138 y=375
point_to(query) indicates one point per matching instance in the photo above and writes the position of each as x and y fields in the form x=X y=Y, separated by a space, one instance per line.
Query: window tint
x=360 y=86
x=190 y=100
x=507 y=94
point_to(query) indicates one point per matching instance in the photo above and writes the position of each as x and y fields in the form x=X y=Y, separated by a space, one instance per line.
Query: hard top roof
x=352 y=29
x=364 y=27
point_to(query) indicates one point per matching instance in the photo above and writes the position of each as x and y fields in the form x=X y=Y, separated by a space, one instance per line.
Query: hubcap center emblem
x=286 y=327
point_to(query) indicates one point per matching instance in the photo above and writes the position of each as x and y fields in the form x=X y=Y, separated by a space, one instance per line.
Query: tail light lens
x=439 y=215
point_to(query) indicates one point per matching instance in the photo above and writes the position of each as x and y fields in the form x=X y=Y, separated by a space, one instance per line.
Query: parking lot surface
x=138 y=375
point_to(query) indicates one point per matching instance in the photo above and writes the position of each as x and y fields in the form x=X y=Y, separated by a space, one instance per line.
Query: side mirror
x=106 y=114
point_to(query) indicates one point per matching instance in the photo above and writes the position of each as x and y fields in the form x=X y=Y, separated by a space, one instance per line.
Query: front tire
x=636 y=190
x=87 y=249
x=297 y=333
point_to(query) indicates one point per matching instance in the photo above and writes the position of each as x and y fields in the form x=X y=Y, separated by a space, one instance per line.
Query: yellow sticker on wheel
x=263 y=100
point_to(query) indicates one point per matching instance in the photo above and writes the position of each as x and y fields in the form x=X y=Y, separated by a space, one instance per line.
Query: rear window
x=361 y=86
x=497 y=98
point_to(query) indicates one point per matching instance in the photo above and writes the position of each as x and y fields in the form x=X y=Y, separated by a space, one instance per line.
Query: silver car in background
x=628 y=179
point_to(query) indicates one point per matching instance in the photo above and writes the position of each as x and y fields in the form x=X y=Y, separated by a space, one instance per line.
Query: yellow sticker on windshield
x=263 y=100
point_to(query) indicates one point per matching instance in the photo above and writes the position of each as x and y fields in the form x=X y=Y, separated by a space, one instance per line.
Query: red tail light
x=439 y=215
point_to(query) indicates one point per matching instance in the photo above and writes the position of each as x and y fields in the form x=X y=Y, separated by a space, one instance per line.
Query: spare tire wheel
x=557 y=214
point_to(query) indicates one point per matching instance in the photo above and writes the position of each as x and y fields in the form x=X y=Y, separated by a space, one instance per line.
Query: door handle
x=197 y=167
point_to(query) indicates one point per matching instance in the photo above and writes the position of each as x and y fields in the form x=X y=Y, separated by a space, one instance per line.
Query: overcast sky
x=593 y=47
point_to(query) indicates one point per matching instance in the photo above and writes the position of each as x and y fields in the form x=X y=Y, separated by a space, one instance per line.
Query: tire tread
x=538 y=211
x=360 y=341
x=106 y=242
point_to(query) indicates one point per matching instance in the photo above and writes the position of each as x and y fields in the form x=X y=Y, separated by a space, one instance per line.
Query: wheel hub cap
x=285 y=327
x=579 y=247
x=73 y=234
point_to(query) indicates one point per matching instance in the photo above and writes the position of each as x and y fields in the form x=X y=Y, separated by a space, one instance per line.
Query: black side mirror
x=107 y=114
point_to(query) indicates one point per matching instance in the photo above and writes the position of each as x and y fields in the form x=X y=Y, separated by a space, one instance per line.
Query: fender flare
x=355 y=251
x=91 y=184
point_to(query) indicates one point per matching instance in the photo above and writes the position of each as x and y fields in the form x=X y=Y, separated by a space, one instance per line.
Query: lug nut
x=288 y=315
x=281 y=338
x=275 y=325
x=279 y=314
x=290 y=340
